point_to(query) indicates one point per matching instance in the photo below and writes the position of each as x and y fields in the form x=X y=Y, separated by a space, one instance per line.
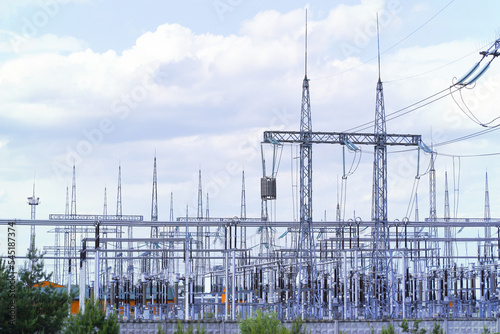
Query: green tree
x=38 y=308
x=260 y=322
x=93 y=320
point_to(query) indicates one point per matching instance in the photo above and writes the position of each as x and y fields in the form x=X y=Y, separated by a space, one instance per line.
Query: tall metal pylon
x=448 y=245
x=73 y=193
x=199 y=263
x=207 y=209
x=105 y=206
x=154 y=197
x=433 y=260
x=154 y=217
x=208 y=263
x=243 y=213
x=382 y=257
x=119 y=211
x=105 y=246
x=33 y=201
x=171 y=215
x=487 y=216
x=119 y=229
x=72 y=237
x=418 y=265
x=309 y=304
x=65 y=251
x=172 y=264
x=308 y=274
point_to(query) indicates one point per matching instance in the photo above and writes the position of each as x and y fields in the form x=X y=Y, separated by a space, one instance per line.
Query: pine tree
x=38 y=308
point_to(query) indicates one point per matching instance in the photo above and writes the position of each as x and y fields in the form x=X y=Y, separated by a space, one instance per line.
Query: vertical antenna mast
x=73 y=193
x=119 y=193
x=378 y=48
x=105 y=208
x=305 y=56
x=154 y=200
x=33 y=201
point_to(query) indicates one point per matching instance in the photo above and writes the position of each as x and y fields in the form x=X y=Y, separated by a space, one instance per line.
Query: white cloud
x=20 y=44
x=204 y=99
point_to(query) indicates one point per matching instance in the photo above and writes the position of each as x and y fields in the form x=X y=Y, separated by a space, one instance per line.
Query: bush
x=180 y=329
x=93 y=320
x=388 y=330
x=405 y=328
x=262 y=323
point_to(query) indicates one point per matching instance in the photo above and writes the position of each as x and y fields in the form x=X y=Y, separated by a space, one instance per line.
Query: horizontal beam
x=464 y=222
x=274 y=137
x=95 y=217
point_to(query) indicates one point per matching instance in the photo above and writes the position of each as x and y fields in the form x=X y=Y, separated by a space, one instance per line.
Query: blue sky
x=109 y=83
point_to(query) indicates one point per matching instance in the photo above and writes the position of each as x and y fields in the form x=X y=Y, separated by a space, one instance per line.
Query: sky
x=102 y=84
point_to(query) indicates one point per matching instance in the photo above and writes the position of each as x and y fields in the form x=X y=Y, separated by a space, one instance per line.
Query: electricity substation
x=203 y=267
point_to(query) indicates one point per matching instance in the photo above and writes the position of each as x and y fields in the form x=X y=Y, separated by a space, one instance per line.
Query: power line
x=391 y=47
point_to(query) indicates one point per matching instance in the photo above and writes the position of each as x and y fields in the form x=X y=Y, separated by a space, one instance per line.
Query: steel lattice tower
x=154 y=217
x=487 y=216
x=72 y=237
x=119 y=229
x=433 y=260
x=379 y=197
x=382 y=296
x=307 y=253
x=382 y=257
x=105 y=206
x=154 y=197
x=243 y=213
x=33 y=201
x=448 y=245
x=199 y=263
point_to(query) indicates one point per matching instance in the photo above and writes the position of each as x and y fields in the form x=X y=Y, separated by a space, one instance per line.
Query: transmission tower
x=448 y=245
x=72 y=237
x=199 y=263
x=172 y=264
x=487 y=216
x=243 y=213
x=154 y=217
x=105 y=235
x=33 y=201
x=105 y=207
x=65 y=250
x=381 y=258
x=119 y=229
x=208 y=263
x=418 y=265
x=154 y=198
x=308 y=274
x=382 y=293
x=433 y=260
